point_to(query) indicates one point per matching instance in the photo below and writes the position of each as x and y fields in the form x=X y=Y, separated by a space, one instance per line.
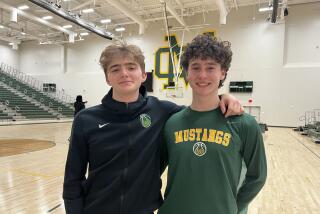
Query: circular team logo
x=145 y=120
x=199 y=149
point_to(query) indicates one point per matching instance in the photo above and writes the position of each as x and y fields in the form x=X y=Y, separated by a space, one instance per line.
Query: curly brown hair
x=208 y=47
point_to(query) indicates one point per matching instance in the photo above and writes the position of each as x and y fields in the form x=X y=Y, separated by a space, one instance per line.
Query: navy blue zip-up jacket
x=119 y=144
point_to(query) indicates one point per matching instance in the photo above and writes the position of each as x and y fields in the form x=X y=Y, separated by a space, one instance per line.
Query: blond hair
x=121 y=51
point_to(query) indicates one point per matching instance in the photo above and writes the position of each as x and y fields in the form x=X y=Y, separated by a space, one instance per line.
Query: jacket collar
x=116 y=107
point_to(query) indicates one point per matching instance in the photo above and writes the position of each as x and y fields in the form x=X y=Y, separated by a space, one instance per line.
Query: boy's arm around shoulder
x=171 y=107
x=230 y=105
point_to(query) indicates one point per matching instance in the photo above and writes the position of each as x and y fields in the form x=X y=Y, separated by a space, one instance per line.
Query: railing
x=59 y=95
x=4 y=105
x=311 y=118
x=16 y=108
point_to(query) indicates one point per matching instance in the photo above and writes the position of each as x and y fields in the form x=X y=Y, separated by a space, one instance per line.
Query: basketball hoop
x=174 y=92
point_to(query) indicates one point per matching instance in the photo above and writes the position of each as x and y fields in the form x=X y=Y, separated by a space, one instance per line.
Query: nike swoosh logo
x=103 y=125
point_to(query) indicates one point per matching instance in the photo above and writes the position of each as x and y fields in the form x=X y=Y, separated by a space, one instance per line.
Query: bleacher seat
x=63 y=109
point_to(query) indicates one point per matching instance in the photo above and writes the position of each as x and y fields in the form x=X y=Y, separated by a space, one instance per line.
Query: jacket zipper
x=125 y=172
x=123 y=192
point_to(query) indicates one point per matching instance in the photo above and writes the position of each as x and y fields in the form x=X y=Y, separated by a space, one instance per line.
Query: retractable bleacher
x=29 y=101
x=312 y=125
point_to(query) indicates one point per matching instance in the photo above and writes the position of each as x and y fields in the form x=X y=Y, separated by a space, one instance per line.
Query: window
x=49 y=87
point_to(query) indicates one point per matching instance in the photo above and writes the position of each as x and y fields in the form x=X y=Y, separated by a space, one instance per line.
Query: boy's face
x=125 y=76
x=204 y=76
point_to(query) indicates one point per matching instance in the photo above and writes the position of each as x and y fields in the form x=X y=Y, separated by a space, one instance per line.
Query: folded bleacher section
x=5 y=116
x=20 y=100
x=312 y=125
x=23 y=107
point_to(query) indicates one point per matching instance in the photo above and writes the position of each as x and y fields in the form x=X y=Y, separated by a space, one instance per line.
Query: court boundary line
x=299 y=141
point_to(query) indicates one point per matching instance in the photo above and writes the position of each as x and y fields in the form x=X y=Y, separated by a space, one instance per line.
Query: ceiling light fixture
x=23 y=7
x=89 y=10
x=84 y=34
x=264 y=9
x=67 y=26
x=103 y=21
x=120 y=29
x=47 y=17
x=14 y=15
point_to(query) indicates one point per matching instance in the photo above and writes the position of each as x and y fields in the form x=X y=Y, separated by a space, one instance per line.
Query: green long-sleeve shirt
x=204 y=153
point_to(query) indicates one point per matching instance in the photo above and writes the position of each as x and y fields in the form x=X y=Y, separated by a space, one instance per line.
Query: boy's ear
x=224 y=72
x=144 y=76
x=106 y=76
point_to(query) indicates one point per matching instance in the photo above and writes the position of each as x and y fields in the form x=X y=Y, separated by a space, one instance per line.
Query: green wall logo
x=145 y=120
x=162 y=58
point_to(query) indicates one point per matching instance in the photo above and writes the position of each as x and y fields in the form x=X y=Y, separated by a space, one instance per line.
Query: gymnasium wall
x=8 y=55
x=281 y=59
x=74 y=68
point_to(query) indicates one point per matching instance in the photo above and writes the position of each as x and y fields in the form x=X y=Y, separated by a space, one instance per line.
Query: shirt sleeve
x=255 y=159
x=75 y=170
x=163 y=153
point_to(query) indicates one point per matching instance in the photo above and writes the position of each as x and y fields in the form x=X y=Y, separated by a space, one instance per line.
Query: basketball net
x=175 y=91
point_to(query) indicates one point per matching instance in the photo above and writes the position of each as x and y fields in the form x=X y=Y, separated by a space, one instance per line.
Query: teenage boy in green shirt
x=203 y=149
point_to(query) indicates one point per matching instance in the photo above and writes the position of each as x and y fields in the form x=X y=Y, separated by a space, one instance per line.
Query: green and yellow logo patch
x=145 y=120
x=199 y=149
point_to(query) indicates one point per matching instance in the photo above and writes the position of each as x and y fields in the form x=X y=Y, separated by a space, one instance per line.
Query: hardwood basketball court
x=31 y=182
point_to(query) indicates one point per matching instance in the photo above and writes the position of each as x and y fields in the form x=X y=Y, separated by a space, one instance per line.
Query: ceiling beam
x=35 y=18
x=8 y=39
x=19 y=31
x=235 y=3
x=72 y=18
x=82 y=5
x=129 y=13
x=174 y=13
x=223 y=11
x=179 y=3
